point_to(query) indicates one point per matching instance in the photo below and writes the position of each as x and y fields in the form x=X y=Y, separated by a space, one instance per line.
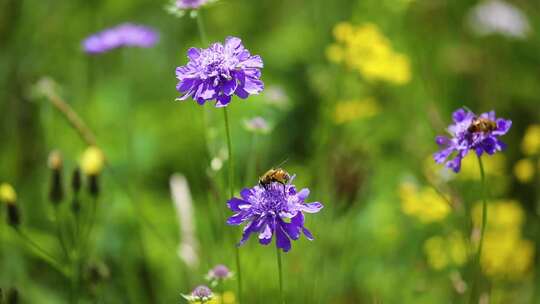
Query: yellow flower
x=427 y=205
x=365 y=49
x=524 y=170
x=7 y=194
x=92 y=161
x=347 y=111
x=343 y=31
x=505 y=254
x=442 y=252
x=531 y=140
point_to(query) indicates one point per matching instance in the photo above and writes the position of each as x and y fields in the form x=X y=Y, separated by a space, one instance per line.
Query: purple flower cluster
x=219 y=72
x=272 y=209
x=123 y=35
x=190 y=4
x=463 y=138
x=201 y=294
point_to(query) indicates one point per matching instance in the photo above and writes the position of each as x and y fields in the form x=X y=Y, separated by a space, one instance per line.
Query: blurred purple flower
x=219 y=72
x=123 y=35
x=257 y=125
x=272 y=209
x=201 y=293
x=218 y=274
x=462 y=139
x=190 y=4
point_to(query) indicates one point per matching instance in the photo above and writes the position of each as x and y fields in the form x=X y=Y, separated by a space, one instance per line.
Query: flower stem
x=280 y=272
x=475 y=293
x=231 y=193
x=44 y=254
x=484 y=210
x=200 y=25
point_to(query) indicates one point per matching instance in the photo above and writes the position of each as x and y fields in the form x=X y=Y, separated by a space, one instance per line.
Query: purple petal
x=194 y=53
x=459 y=115
x=265 y=237
x=236 y=219
x=237 y=205
x=282 y=241
x=248 y=230
x=308 y=234
x=311 y=208
x=303 y=194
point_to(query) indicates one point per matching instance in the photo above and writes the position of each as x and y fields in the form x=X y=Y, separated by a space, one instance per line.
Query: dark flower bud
x=75 y=205
x=12 y=296
x=76 y=180
x=13 y=216
x=93 y=185
x=56 y=189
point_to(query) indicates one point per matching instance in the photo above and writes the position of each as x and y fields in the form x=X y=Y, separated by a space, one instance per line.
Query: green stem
x=44 y=254
x=484 y=210
x=475 y=292
x=59 y=233
x=200 y=26
x=231 y=193
x=280 y=272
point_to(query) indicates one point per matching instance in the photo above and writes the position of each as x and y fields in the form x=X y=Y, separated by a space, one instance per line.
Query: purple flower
x=272 y=209
x=218 y=274
x=123 y=35
x=471 y=132
x=190 y=4
x=201 y=293
x=219 y=72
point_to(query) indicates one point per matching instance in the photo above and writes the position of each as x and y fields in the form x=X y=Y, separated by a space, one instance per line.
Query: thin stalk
x=484 y=210
x=280 y=272
x=475 y=293
x=49 y=258
x=231 y=193
x=59 y=233
x=200 y=26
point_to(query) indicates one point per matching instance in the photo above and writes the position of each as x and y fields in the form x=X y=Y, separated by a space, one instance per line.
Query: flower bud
x=93 y=185
x=13 y=216
x=7 y=194
x=56 y=188
x=92 y=161
x=76 y=180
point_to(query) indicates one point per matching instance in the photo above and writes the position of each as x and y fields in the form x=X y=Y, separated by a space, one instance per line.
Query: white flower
x=498 y=17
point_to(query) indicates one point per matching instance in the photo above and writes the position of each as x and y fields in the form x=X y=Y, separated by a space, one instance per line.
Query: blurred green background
x=356 y=92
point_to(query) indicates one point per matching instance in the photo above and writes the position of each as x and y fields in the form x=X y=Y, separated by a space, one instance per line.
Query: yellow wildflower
x=531 y=140
x=365 y=49
x=505 y=254
x=7 y=194
x=524 y=170
x=427 y=204
x=92 y=161
x=350 y=110
x=343 y=31
x=442 y=252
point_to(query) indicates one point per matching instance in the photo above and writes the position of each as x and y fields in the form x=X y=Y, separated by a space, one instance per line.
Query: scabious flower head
x=123 y=35
x=257 y=125
x=272 y=209
x=462 y=139
x=219 y=72
x=201 y=293
x=190 y=4
x=218 y=274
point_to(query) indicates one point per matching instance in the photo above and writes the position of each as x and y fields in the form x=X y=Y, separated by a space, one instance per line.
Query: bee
x=277 y=175
x=484 y=125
